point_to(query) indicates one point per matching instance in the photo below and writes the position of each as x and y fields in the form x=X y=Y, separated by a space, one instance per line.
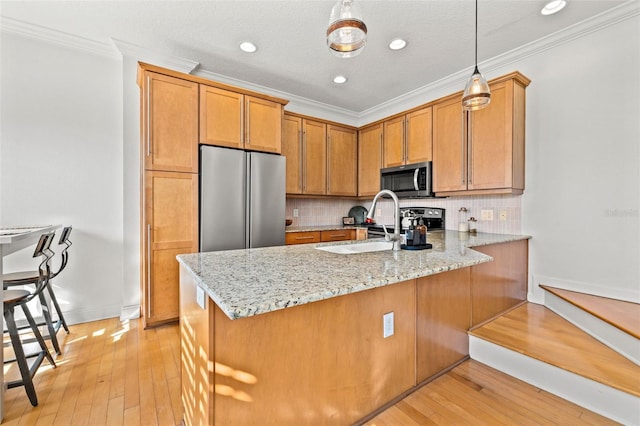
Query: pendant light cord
x=476 y=70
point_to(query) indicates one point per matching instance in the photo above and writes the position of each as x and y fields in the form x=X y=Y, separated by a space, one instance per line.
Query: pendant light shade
x=477 y=94
x=347 y=33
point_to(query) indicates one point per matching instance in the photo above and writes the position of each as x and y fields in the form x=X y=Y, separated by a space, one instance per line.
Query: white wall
x=582 y=199
x=61 y=162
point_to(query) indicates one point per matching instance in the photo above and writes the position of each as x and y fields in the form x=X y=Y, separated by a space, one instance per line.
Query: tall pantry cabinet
x=169 y=137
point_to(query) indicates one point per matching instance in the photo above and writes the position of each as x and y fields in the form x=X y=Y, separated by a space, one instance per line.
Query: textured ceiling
x=292 y=55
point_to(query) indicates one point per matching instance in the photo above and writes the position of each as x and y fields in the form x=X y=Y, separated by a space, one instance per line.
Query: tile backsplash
x=313 y=212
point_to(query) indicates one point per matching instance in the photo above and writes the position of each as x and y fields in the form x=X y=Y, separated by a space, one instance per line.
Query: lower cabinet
x=170 y=228
x=443 y=316
x=502 y=284
x=307 y=237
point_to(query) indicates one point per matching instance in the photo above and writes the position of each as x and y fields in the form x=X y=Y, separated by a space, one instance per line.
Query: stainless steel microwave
x=410 y=181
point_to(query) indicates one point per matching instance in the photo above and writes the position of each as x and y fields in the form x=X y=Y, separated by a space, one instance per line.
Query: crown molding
x=142 y=54
x=60 y=38
x=457 y=80
x=296 y=103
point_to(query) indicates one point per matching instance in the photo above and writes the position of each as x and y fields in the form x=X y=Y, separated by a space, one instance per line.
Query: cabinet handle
x=328 y=178
x=148 y=116
x=311 y=237
x=247 y=121
x=381 y=144
x=149 y=286
x=304 y=161
x=301 y=158
x=470 y=148
x=337 y=235
x=462 y=146
x=405 y=145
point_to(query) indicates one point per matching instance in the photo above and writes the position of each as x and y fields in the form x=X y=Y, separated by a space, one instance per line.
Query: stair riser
x=621 y=342
x=594 y=396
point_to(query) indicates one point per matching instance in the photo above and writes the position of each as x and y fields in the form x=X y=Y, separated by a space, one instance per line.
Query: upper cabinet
x=314 y=157
x=342 y=161
x=408 y=138
x=169 y=123
x=481 y=152
x=321 y=157
x=292 y=150
x=240 y=121
x=369 y=160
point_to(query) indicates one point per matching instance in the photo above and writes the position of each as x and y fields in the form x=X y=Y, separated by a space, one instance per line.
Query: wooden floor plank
x=537 y=332
x=619 y=313
x=86 y=388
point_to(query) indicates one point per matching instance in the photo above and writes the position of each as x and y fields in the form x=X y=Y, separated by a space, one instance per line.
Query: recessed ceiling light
x=247 y=46
x=397 y=44
x=553 y=6
x=339 y=79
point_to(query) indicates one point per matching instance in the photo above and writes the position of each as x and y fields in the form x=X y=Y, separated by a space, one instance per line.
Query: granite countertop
x=249 y=282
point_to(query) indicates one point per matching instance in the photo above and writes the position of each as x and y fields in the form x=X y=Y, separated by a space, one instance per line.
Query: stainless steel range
x=433 y=217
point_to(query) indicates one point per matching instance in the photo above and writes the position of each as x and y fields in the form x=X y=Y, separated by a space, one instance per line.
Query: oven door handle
x=415 y=179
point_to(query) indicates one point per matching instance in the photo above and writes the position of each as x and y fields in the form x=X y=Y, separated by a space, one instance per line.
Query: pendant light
x=476 y=93
x=347 y=33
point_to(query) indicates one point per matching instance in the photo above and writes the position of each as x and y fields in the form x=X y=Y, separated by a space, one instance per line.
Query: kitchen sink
x=357 y=248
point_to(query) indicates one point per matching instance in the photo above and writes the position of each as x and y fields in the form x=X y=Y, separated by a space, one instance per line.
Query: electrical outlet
x=503 y=215
x=200 y=299
x=387 y=325
x=486 y=214
x=295 y=212
x=378 y=212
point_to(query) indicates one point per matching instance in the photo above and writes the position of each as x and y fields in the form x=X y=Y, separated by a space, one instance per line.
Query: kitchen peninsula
x=295 y=335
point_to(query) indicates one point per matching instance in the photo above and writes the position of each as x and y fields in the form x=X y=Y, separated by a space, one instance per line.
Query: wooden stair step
x=619 y=313
x=539 y=333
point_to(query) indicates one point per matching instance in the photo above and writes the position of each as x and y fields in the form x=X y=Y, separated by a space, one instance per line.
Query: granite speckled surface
x=255 y=281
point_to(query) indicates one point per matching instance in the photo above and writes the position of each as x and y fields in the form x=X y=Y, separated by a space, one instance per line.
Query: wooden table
x=12 y=240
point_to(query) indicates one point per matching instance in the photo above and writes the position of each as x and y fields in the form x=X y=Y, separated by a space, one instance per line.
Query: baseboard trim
x=130 y=312
x=594 y=396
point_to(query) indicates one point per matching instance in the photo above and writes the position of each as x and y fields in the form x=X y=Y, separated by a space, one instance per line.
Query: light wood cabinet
x=314 y=157
x=481 y=152
x=502 y=284
x=443 y=316
x=170 y=229
x=342 y=161
x=169 y=125
x=321 y=157
x=292 y=151
x=369 y=160
x=408 y=138
x=338 y=235
x=302 y=237
x=240 y=121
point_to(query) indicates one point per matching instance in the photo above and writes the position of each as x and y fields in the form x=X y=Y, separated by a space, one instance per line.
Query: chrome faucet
x=396 y=238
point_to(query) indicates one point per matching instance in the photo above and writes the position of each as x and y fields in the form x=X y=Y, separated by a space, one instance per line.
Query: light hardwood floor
x=116 y=373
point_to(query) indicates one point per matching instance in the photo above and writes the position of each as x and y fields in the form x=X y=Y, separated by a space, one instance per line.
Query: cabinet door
x=449 y=147
x=419 y=136
x=171 y=228
x=338 y=235
x=342 y=161
x=490 y=141
x=443 y=317
x=314 y=138
x=170 y=123
x=394 y=149
x=369 y=160
x=221 y=114
x=263 y=125
x=292 y=150
x=502 y=284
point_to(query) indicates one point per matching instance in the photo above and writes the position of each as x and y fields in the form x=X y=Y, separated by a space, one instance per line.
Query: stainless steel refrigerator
x=242 y=199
